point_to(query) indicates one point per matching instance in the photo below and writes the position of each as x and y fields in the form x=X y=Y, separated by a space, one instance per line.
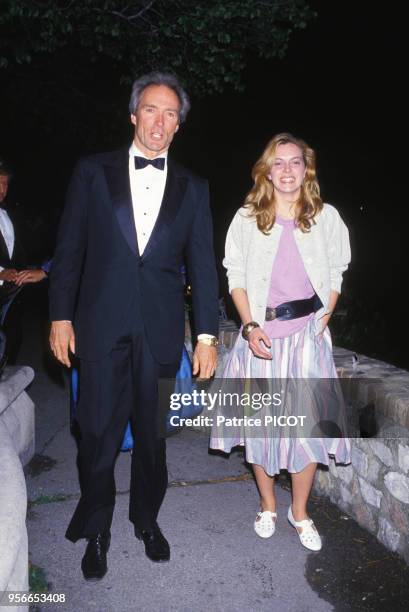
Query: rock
x=346 y=495
x=388 y=535
x=396 y=513
x=345 y=473
x=322 y=481
x=364 y=516
x=360 y=461
x=370 y=494
x=333 y=468
x=403 y=457
x=373 y=471
x=398 y=485
x=382 y=452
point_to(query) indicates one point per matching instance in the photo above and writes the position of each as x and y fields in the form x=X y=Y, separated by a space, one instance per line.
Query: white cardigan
x=250 y=255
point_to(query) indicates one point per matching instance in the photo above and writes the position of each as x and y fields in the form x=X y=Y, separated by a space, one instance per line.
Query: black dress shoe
x=156 y=545
x=94 y=562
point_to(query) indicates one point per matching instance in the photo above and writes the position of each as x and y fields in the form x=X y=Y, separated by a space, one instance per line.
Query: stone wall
x=374 y=488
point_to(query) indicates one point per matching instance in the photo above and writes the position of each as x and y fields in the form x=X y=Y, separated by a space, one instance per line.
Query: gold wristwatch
x=249 y=328
x=209 y=341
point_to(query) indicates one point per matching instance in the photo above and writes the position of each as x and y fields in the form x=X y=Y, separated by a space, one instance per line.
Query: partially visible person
x=13 y=263
x=286 y=252
x=12 y=254
x=13 y=269
x=12 y=258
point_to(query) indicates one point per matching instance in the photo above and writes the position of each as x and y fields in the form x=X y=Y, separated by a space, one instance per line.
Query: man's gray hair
x=160 y=78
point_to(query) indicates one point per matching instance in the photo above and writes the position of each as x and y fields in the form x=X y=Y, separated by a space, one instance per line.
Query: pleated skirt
x=302 y=355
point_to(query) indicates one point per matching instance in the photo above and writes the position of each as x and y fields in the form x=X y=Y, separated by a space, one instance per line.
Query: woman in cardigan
x=285 y=254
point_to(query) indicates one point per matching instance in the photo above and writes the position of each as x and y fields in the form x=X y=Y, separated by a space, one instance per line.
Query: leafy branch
x=206 y=42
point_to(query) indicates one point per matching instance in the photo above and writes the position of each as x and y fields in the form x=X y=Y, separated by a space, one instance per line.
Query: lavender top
x=289 y=281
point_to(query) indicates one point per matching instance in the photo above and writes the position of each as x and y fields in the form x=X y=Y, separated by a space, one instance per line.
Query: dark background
x=339 y=88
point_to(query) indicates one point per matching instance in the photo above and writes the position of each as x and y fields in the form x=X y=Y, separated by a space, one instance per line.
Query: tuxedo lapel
x=172 y=200
x=117 y=176
x=4 y=254
x=5 y=260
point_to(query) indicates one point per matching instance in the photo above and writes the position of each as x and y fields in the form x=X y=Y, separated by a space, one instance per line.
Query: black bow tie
x=142 y=162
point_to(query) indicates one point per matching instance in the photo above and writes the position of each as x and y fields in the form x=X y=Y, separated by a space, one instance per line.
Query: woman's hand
x=325 y=320
x=333 y=298
x=257 y=337
x=9 y=275
x=30 y=276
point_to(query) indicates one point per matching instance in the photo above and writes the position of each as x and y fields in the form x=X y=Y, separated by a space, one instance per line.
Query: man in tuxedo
x=13 y=272
x=12 y=258
x=132 y=218
x=11 y=252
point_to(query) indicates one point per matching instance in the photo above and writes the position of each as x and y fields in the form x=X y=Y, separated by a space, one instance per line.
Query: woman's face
x=288 y=170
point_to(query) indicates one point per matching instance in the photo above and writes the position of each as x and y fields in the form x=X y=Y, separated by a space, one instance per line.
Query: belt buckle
x=270 y=314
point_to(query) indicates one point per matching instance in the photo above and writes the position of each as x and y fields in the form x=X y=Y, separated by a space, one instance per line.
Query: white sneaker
x=309 y=536
x=265 y=524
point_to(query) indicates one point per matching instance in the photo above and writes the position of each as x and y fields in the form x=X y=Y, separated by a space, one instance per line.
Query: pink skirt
x=300 y=356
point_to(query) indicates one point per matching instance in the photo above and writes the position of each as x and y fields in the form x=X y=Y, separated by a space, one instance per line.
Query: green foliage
x=205 y=42
x=37 y=579
x=49 y=499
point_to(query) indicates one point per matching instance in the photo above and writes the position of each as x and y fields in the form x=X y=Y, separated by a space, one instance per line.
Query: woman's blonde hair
x=261 y=201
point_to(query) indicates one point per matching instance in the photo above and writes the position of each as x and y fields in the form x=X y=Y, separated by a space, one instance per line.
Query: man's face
x=156 y=120
x=4 y=184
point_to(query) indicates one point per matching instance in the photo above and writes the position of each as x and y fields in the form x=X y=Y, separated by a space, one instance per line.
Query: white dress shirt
x=7 y=230
x=147 y=189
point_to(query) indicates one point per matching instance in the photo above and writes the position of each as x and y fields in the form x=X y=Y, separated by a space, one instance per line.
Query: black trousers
x=121 y=386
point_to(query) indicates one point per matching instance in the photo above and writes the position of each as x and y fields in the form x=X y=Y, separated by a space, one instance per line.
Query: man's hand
x=62 y=338
x=204 y=360
x=9 y=275
x=29 y=276
x=256 y=337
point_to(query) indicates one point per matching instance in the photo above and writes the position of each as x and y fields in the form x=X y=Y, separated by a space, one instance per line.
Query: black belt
x=294 y=309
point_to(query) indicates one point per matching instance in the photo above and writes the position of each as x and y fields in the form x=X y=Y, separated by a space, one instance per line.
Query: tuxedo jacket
x=18 y=258
x=99 y=280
